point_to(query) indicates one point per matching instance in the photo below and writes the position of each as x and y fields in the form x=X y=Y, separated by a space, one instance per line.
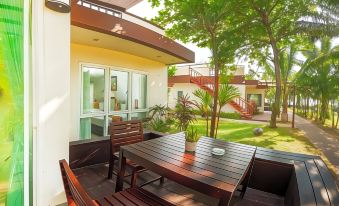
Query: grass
x=283 y=138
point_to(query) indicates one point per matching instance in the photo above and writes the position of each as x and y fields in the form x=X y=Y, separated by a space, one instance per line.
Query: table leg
x=225 y=200
x=120 y=177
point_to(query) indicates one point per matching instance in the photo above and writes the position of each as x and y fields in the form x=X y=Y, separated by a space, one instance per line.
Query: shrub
x=230 y=115
x=159 y=125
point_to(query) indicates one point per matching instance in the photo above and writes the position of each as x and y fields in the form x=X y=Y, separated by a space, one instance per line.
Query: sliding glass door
x=110 y=95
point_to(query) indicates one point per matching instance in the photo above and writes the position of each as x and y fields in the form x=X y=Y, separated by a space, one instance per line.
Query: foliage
x=226 y=94
x=160 y=125
x=268 y=28
x=230 y=115
x=317 y=80
x=171 y=70
x=160 y=118
x=204 y=106
x=192 y=134
x=287 y=60
x=158 y=111
x=227 y=115
x=207 y=24
x=184 y=113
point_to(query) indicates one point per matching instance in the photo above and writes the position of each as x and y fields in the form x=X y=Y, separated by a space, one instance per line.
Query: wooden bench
x=301 y=179
x=77 y=196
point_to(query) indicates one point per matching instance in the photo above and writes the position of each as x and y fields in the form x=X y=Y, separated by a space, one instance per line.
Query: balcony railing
x=100 y=8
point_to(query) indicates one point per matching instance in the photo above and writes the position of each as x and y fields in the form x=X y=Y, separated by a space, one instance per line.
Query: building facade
x=184 y=83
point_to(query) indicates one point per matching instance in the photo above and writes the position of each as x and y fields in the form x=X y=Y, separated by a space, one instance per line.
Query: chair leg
x=134 y=179
x=162 y=180
x=110 y=167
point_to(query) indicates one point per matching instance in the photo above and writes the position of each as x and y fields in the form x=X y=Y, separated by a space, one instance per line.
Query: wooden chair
x=77 y=196
x=124 y=133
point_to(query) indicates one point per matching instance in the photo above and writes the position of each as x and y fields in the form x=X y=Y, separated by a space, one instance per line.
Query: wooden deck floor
x=95 y=181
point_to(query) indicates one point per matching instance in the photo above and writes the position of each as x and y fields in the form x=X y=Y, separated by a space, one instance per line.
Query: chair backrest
x=124 y=133
x=75 y=193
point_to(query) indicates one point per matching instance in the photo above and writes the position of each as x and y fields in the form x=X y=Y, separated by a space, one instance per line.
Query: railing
x=246 y=106
x=100 y=8
x=199 y=79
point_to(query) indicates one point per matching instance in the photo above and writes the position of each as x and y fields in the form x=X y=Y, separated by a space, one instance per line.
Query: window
x=110 y=95
x=180 y=94
x=256 y=98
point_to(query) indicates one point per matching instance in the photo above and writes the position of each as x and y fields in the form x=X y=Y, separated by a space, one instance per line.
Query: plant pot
x=190 y=146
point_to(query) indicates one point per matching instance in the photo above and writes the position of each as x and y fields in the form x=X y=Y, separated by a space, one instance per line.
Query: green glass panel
x=11 y=102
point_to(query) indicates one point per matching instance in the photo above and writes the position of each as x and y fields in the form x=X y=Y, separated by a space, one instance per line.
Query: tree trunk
x=333 y=113
x=323 y=109
x=207 y=119
x=336 y=125
x=284 y=114
x=276 y=107
x=216 y=86
x=216 y=130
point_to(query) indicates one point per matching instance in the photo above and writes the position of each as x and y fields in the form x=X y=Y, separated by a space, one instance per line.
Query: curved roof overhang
x=99 y=22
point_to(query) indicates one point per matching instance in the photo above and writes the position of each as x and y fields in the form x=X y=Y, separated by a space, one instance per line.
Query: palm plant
x=204 y=105
x=320 y=74
x=184 y=113
x=226 y=94
x=288 y=59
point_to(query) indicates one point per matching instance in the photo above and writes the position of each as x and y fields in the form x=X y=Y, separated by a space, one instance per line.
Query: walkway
x=325 y=142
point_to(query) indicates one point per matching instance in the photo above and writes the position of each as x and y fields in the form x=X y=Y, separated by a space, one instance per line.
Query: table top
x=201 y=170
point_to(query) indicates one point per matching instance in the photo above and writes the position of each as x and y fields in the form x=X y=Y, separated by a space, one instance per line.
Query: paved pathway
x=325 y=142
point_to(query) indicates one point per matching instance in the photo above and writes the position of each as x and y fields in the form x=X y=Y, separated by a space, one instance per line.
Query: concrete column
x=51 y=101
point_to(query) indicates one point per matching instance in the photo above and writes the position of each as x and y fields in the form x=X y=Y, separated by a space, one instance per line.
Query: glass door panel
x=93 y=90
x=118 y=91
x=139 y=91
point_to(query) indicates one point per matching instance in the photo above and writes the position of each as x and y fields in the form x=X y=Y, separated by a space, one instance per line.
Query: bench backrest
x=124 y=133
x=75 y=193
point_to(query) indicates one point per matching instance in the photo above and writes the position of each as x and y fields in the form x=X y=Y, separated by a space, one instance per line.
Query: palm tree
x=226 y=94
x=321 y=70
x=287 y=61
x=204 y=105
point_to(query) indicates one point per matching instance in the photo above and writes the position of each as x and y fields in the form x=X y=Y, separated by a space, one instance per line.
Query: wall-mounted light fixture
x=62 y=6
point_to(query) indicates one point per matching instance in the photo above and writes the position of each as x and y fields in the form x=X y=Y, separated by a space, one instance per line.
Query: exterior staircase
x=243 y=107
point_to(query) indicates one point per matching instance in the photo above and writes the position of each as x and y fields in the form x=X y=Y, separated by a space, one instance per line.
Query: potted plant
x=192 y=138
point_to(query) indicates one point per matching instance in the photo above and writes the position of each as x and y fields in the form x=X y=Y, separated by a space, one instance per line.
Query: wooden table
x=217 y=176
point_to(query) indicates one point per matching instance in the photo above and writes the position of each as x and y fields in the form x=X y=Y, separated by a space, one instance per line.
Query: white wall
x=51 y=100
x=188 y=88
x=157 y=75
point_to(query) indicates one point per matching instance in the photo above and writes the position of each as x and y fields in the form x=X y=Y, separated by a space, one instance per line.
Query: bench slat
x=319 y=188
x=329 y=182
x=305 y=188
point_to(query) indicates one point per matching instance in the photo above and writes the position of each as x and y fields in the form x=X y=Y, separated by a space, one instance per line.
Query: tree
x=226 y=94
x=287 y=61
x=171 y=70
x=320 y=74
x=267 y=27
x=204 y=105
x=206 y=23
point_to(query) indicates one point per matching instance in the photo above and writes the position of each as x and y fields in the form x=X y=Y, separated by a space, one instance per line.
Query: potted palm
x=192 y=138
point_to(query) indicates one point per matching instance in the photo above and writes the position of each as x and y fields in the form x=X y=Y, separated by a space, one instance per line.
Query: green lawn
x=284 y=139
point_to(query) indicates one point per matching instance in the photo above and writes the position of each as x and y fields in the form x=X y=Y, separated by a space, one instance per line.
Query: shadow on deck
x=94 y=179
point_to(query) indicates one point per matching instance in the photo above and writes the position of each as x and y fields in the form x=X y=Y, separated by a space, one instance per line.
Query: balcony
x=128 y=33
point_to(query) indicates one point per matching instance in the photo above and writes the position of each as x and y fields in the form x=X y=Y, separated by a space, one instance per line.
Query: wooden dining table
x=217 y=176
